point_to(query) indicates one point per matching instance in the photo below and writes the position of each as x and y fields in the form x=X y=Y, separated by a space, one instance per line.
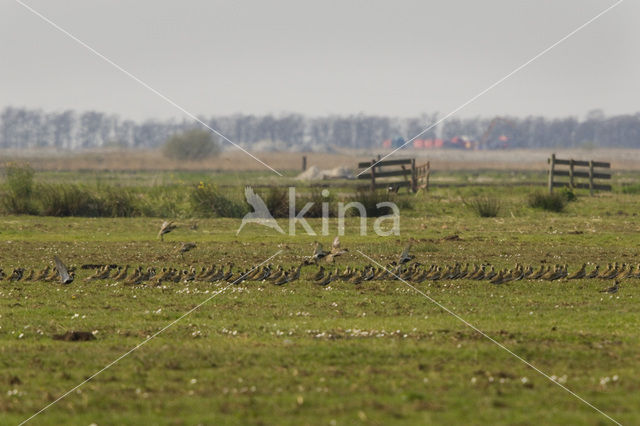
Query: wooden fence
x=405 y=168
x=423 y=173
x=572 y=174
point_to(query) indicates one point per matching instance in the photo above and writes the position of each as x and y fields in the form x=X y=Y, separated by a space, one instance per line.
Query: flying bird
x=405 y=256
x=260 y=214
x=167 y=226
x=336 y=250
x=318 y=253
x=63 y=272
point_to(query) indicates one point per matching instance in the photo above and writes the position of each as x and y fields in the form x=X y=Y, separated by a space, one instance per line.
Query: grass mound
x=554 y=202
x=486 y=206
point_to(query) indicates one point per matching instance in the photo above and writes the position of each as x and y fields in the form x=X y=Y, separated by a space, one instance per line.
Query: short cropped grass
x=376 y=353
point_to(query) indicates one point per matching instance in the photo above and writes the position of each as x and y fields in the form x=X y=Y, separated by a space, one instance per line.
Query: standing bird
x=581 y=273
x=499 y=278
x=167 y=226
x=283 y=279
x=29 y=276
x=594 y=273
x=16 y=275
x=491 y=273
x=122 y=274
x=63 y=272
x=318 y=275
x=41 y=275
x=405 y=256
x=186 y=247
x=356 y=278
x=277 y=274
x=613 y=289
x=325 y=280
x=101 y=274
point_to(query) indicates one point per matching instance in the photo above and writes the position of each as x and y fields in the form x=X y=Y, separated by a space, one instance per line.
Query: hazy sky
x=398 y=58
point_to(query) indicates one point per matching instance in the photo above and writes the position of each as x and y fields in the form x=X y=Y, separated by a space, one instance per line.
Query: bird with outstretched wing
x=167 y=226
x=336 y=250
x=405 y=256
x=63 y=272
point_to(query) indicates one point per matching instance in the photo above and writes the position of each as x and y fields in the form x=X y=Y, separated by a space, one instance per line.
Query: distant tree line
x=27 y=128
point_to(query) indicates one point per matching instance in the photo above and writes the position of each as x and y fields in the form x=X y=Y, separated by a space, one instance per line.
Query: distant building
x=457 y=142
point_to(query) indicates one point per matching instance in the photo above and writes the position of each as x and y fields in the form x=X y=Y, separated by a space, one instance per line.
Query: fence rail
x=572 y=174
x=376 y=170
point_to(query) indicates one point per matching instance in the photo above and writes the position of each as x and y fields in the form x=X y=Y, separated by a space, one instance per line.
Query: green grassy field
x=373 y=353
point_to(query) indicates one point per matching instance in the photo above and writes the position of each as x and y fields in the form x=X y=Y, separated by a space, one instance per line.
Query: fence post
x=552 y=163
x=571 y=173
x=591 y=177
x=428 y=173
x=304 y=163
x=373 y=175
x=414 y=178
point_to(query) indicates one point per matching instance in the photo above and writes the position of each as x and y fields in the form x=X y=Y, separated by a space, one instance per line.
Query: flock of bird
x=404 y=269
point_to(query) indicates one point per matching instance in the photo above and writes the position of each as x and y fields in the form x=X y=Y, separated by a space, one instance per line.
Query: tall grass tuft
x=277 y=201
x=159 y=201
x=484 y=206
x=554 y=202
x=370 y=200
x=67 y=200
x=208 y=201
x=318 y=199
x=120 y=202
x=17 y=199
x=633 y=188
